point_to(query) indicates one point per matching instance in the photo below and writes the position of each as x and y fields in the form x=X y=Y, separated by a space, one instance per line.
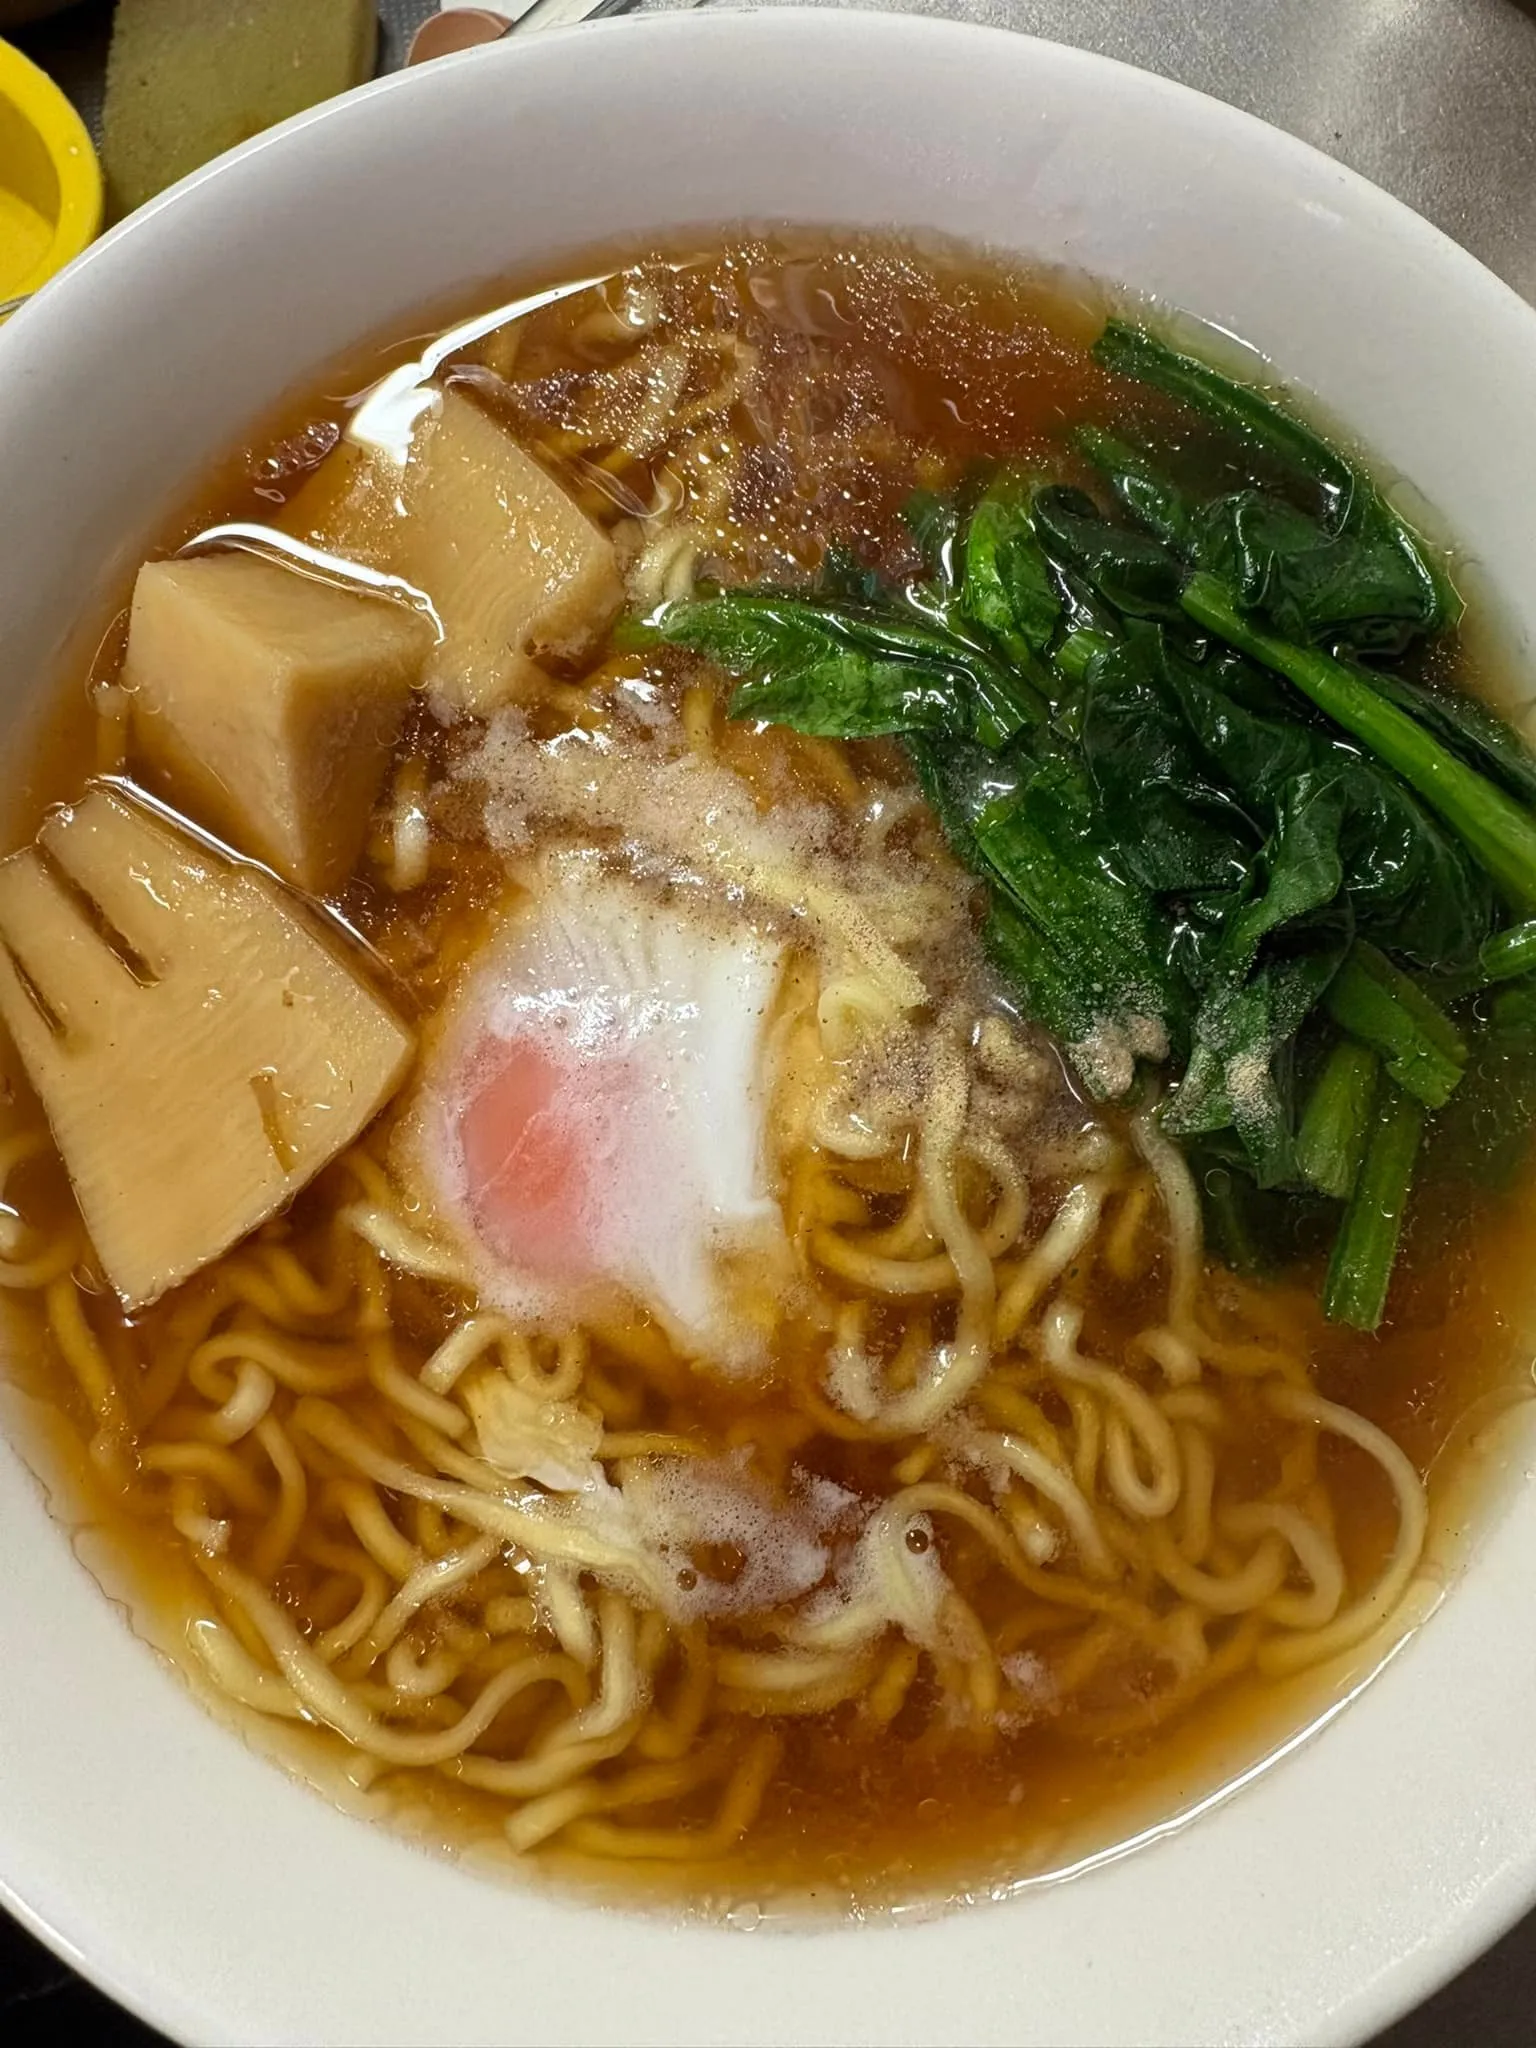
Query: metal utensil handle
x=562 y=13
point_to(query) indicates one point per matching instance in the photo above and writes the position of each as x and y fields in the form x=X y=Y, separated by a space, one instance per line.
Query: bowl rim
x=1502 y=1892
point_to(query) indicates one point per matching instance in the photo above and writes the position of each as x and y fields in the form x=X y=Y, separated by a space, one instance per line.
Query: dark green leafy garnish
x=852 y=672
x=1341 y=551
x=1225 y=842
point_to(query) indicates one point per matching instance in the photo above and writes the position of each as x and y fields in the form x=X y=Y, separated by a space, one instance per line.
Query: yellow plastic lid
x=50 y=181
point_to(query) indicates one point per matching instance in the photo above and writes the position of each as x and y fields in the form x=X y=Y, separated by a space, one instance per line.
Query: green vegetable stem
x=1388 y=1011
x=1365 y=1250
x=1337 y=1119
x=1509 y=953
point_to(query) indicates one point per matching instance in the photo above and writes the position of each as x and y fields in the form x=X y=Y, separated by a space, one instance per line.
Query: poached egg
x=592 y=1113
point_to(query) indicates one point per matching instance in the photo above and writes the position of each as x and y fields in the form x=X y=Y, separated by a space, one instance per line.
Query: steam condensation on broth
x=740 y=1418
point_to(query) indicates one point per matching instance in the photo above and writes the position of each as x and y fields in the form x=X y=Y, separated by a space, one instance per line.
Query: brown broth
x=921 y=363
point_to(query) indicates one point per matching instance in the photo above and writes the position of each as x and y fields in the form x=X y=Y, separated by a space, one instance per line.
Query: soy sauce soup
x=712 y=1394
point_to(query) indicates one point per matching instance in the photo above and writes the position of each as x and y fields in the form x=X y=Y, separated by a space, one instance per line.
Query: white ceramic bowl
x=186 y=1874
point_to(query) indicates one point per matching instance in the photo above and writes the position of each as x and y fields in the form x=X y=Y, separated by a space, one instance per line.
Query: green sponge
x=189 y=78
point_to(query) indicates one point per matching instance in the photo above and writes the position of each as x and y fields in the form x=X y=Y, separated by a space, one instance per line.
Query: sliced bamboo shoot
x=266 y=704
x=514 y=567
x=200 y=1051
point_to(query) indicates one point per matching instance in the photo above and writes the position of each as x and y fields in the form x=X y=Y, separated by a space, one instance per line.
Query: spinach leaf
x=1301 y=868
x=1177 y=743
x=1247 y=748
x=1113 y=995
x=1349 y=502
x=1077 y=947
x=960 y=779
x=1138 y=484
x=1239 y=1072
x=1134 y=574
x=1357 y=589
x=1049 y=988
x=847 y=672
x=1145 y=763
x=1415 y=888
x=1007 y=588
x=1351 y=586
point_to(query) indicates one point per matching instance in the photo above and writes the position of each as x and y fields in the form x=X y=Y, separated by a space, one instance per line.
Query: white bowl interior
x=184 y=1872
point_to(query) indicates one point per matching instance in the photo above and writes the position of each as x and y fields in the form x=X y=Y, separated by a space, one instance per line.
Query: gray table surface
x=1433 y=99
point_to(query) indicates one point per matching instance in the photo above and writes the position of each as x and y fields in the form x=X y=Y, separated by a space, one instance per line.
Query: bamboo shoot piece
x=266 y=704
x=514 y=568
x=200 y=1051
